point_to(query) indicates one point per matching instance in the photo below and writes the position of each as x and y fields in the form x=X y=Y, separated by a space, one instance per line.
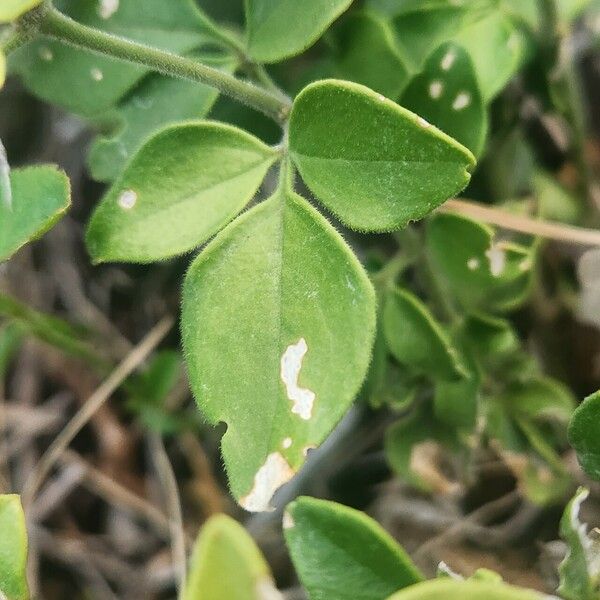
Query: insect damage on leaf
x=269 y=478
x=291 y=363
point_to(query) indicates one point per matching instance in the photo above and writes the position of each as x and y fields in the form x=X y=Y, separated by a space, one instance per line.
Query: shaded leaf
x=449 y=97
x=342 y=554
x=164 y=204
x=278 y=323
x=479 y=272
x=40 y=197
x=227 y=565
x=584 y=434
x=278 y=30
x=369 y=160
x=158 y=101
x=13 y=549
x=381 y=67
x=416 y=339
x=86 y=83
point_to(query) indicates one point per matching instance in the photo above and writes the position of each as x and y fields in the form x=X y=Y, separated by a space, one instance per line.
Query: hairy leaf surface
x=342 y=554
x=278 y=323
x=371 y=161
x=184 y=185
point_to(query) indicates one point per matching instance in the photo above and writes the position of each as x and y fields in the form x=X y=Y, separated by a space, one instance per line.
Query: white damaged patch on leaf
x=291 y=363
x=497 y=257
x=269 y=478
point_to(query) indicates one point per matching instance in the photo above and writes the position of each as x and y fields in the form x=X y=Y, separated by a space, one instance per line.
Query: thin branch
x=135 y=358
x=58 y=26
x=116 y=494
x=168 y=481
x=537 y=227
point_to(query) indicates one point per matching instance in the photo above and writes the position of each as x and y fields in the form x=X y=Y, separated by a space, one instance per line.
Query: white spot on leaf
x=288 y=521
x=269 y=478
x=97 y=74
x=108 y=8
x=127 y=199
x=525 y=265
x=436 y=89
x=423 y=123
x=497 y=258
x=291 y=363
x=462 y=100
x=287 y=443
x=473 y=263
x=46 y=54
x=381 y=97
x=448 y=60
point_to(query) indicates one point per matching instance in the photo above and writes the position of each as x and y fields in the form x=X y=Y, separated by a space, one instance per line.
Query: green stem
x=60 y=27
x=13 y=40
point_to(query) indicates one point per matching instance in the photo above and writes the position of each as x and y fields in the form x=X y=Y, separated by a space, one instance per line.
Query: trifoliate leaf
x=227 y=565
x=417 y=340
x=278 y=323
x=184 y=185
x=86 y=83
x=39 y=197
x=449 y=97
x=584 y=434
x=381 y=68
x=369 y=160
x=580 y=570
x=278 y=30
x=342 y=554
x=13 y=549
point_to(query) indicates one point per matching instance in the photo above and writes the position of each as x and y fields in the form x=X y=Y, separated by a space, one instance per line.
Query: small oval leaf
x=584 y=434
x=417 y=340
x=164 y=204
x=278 y=323
x=13 y=549
x=227 y=565
x=278 y=30
x=371 y=161
x=342 y=554
x=39 y=196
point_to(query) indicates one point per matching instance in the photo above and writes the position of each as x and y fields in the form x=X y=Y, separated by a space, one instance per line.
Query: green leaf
x=416 y=339
x=39 y=197
x=164 y=204
x=11 y=336
x=479 y=272
x=370 y=161
x=584 y=434
x=554 y=201
x=450 y=98
x=2 y=70
x=227 y=565
x=13 y=549
x=381 y=68
x=86 y=83
x=495 y=42
x=158 y=101
x=342 y=554
x=278 y=323
x=449 y=589
x=11 y=10
x=283 y=28
x=580 y=569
